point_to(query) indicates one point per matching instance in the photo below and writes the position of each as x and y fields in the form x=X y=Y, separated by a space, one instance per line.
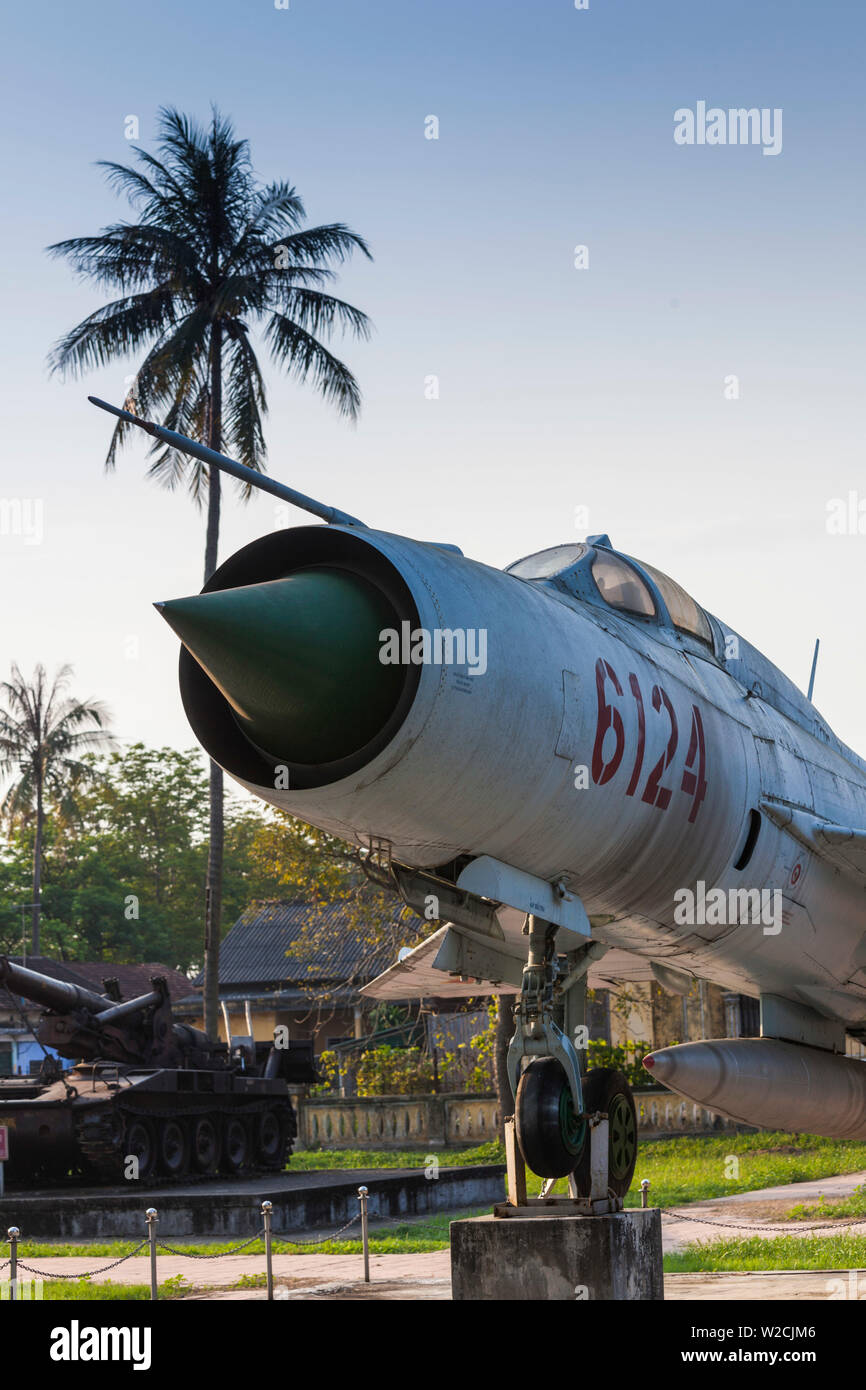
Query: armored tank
x=150 y=1098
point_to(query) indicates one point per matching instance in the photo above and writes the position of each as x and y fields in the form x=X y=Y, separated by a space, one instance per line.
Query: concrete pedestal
x=558 y=1258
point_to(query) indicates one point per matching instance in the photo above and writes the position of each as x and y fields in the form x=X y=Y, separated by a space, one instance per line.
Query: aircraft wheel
x=552 y=1138
x=205 y=1145
x=173 y=1148
x=607 y=1090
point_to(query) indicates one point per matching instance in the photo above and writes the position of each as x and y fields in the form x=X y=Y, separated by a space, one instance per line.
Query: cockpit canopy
x=595 y=573
x=621 y=583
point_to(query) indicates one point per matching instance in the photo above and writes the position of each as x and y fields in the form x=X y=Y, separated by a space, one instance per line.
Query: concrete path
x=427 y=1276
x=795 y=1285
x=224 y=1270
x=749 y=1212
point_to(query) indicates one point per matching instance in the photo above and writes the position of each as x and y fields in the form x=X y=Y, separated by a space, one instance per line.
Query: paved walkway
x=766 y=1207
x=427 y=1276
x=224 y=1270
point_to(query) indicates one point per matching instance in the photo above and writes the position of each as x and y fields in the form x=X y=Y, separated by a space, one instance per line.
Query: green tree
x=44 y=733
x=309 y=864
x=213 y=251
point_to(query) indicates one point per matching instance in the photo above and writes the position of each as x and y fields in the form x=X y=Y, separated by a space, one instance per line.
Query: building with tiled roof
x=297 y=965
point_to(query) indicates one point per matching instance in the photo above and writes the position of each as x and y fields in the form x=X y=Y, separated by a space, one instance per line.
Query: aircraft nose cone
x=297 y=659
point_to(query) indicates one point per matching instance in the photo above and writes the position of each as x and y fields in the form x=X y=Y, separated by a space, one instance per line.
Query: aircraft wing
x=843 y=846
x=454 y=963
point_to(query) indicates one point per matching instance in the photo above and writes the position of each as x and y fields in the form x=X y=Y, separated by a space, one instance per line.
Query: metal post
x=151 y=1217
x=13 y=1233
x=267 y=1209
x=644 y=1192
x=365 y=1236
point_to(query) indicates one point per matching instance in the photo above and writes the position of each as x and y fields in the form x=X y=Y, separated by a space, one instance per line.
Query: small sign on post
x=4 y=1154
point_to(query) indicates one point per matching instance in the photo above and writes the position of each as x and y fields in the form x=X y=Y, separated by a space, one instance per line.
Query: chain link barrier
x=320 y=1240
x=260 y=1235
x=217 y=1254
x=792 y=1228
x=82 y=1274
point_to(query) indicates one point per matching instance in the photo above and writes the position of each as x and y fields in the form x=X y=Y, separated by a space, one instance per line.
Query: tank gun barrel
x=58 y=995
x=130 y=1006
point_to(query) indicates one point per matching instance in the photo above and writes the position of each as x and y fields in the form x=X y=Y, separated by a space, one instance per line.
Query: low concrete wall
x=661 y=1114
x=397 y=1122
x=302 y=1203
x=437 y=1122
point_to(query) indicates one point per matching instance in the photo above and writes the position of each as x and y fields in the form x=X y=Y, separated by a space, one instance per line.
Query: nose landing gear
x=558 y=1111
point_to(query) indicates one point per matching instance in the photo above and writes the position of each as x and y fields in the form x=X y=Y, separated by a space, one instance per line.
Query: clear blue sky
x=559 y=388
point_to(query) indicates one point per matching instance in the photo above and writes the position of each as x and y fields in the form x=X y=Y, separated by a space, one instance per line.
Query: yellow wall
x=340 y=1024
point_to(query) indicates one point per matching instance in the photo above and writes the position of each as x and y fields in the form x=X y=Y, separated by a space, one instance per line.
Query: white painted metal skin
x=485 y=764
x=770 y=1084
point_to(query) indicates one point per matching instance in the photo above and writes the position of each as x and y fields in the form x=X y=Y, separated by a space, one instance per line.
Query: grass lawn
x=691 y=1169
x=822 y=1210
x=312 y=1160
x=83 y=1291
x=680 y=1171
x=830 y=1251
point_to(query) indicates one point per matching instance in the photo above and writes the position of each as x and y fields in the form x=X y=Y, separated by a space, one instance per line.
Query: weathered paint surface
x=678 y=742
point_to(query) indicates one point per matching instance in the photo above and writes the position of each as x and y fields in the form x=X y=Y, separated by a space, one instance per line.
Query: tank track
x=100 y=1142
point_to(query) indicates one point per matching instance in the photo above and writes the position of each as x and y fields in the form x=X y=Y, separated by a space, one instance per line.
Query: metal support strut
x=536 y=1034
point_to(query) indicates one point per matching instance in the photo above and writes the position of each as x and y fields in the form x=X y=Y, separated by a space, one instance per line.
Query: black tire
x=174 y=1148
x=139 y=1142
x=205 y=1153
x=236 y=1146
x=552 y=1138
x=607 y=1090
x=271 y=1135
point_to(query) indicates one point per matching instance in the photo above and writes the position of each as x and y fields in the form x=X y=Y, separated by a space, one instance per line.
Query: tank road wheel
x=173 y=1148
x=271 y=1140
x=139 y=1142
x=552 y=1138
x=205 y=1145
x=236 y=1146
x=607 y=1090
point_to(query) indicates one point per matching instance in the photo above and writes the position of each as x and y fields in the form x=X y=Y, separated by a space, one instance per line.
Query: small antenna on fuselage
x=814 y=665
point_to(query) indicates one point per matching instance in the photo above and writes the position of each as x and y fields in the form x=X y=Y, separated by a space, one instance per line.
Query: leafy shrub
x=626 y=1057
x=394 y=1071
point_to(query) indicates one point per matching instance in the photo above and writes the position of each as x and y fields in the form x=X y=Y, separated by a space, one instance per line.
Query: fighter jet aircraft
x=569 y=765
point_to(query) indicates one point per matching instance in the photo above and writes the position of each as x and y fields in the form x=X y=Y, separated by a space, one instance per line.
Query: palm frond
x=306 y=359
x=114 y=331
x=245 y=404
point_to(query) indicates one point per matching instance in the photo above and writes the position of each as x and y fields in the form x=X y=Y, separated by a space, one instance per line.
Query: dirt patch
x=786 y=1149
x=775 y=1211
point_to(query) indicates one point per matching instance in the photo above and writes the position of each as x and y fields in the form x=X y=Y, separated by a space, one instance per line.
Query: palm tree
x=213 y=251
x=43 y=733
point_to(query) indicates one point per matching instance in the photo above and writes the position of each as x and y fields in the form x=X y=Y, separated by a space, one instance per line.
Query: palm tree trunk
x=214 y=888
x=36 y=899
